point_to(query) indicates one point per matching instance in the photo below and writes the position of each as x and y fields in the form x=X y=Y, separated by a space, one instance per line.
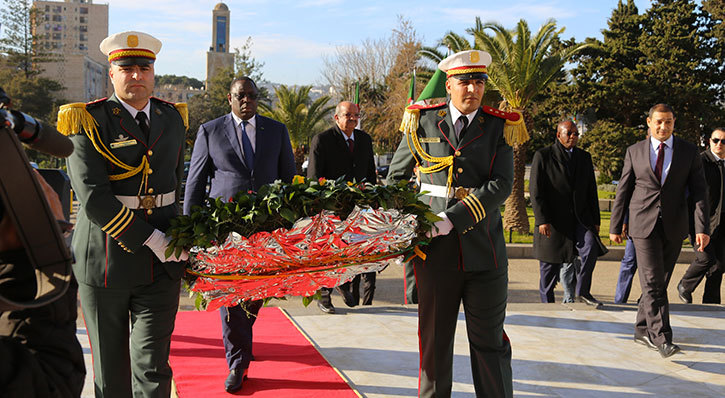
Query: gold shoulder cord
x=74 y=118
x=409 y=127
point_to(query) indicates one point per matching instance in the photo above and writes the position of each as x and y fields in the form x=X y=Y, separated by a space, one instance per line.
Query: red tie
x=351 y=144
x=660 y=161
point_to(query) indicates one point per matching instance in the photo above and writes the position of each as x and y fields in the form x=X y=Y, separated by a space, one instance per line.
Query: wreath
x=294 y=238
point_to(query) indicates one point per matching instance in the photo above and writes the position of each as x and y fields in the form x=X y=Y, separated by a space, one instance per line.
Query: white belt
x=441 y=191
x=147 y=201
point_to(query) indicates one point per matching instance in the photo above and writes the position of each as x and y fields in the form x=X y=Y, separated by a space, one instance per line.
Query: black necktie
x=569 y=166
x=143 y=124
x=464 y=124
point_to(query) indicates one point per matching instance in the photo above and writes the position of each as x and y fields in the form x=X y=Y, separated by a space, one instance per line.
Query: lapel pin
x=442 y=113
x=116 y=111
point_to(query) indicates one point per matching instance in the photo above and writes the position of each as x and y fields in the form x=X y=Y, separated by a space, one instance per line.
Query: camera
x=31 y=132
x=24 y=125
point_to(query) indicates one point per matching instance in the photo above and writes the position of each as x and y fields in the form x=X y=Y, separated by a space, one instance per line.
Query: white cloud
x=287 y=46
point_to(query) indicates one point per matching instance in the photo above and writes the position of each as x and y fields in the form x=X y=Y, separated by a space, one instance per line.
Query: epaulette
x=95 y=103
x=514 y=130
x=74 y=118
x=424 y=107
x=180 y=107
x=411 y=116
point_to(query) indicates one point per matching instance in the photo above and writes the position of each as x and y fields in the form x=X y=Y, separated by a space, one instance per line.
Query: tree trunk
x=514 y=216
x=299 y=153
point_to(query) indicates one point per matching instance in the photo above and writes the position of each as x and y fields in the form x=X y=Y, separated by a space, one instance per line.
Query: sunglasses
x=250 y=96
x=717 y=140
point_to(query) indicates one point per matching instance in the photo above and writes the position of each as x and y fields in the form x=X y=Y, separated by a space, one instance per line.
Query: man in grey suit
x=657 y=174
x=239 y=151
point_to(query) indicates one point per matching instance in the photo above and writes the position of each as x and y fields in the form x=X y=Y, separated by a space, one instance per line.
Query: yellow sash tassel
x=184 y=112
x=515 y=133
x=409 y=126
x=74 y=118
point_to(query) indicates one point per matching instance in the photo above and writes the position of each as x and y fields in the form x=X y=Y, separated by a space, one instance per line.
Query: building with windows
x=176 y=92
x=74 y=29
x=218 y=56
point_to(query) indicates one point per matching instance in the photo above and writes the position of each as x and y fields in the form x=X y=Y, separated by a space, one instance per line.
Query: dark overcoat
x=563 y=193
x=330 y=157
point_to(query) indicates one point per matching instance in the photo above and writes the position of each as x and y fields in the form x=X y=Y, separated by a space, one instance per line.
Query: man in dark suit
x=240 y=151
x=566 y=209
x=657 y=174
x=466 y=259
x=709 y=263
x=126 y=174
x=344 y=151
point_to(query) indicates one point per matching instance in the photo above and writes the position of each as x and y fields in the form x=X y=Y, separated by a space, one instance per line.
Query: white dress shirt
x=654 y=148
x=250 y=128
x=456 y=114
x=133 y=111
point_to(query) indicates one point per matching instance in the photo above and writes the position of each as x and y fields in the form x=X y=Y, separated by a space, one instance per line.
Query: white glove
x=442 y=227
x=158 y=242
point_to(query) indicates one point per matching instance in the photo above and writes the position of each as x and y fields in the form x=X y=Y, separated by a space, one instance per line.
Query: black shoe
x=346 y=297
x=668 y=349
x=327 y=309
x=589 y=300
x=685 y=296
x=235 y=379
x=646 y=341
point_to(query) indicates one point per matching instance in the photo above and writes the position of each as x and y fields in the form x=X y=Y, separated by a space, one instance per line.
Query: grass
x=605 y=216
x=516 y=237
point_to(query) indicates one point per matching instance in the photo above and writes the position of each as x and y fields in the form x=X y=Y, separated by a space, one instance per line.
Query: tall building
x=218 y=55
x=75 y=29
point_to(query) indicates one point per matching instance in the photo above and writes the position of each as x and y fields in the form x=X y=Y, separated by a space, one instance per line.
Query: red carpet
x=286 y=364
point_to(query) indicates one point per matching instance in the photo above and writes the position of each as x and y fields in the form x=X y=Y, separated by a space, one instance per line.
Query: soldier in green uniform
x=466 y=169
x=126 y=173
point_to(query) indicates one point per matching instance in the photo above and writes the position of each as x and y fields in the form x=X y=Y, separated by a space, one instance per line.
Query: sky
x=292 y=37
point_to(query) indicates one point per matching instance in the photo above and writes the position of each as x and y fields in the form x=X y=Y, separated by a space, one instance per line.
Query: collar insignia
x=157 y=111
x=116 y=111
x=442 y=113
x=480 y=119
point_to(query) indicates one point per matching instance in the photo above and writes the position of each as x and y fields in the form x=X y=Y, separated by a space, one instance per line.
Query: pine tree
x=676 y=71
x=18 y=42
x=608 y=79
x=664 y=55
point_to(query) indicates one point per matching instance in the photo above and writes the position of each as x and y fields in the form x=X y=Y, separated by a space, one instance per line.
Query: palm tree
x=451 y=42
x=303 y=117
x=521 y=67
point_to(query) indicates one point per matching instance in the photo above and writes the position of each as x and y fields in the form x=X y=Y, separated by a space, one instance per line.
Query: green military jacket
x=483 y=162
x=109 y=236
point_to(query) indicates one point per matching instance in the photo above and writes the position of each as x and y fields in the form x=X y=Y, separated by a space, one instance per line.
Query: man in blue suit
x=239 y=151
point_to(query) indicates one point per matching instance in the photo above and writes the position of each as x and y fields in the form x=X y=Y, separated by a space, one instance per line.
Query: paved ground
x=558 y=350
